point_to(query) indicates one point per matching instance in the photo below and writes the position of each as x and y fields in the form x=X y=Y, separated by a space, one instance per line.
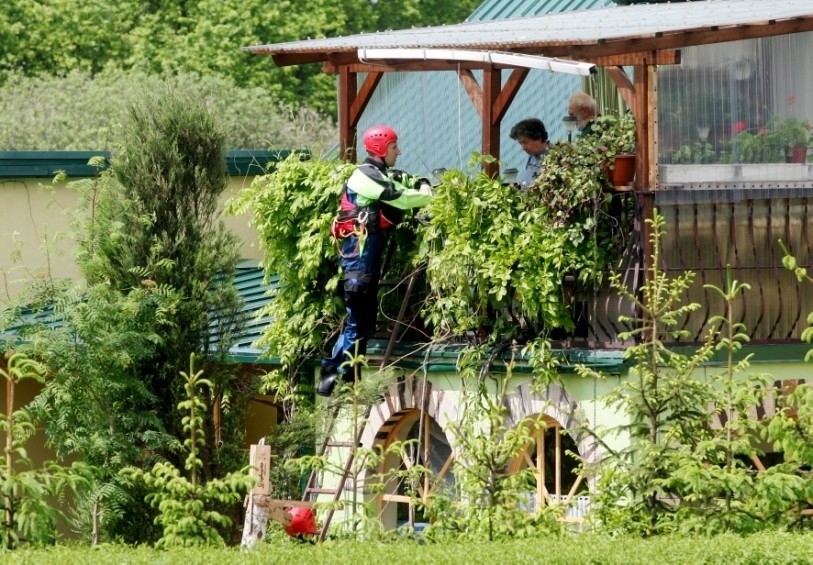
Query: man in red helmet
x=372 y=204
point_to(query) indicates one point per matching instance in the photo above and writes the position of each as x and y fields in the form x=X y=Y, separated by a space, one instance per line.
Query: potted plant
x=763 y=146
x=614 y=142
x=794 y=136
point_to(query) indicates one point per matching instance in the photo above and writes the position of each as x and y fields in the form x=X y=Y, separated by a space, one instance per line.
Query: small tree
x=26 y=490
x=488 y=500
x=684 y=468
x=663 y=402
x=185 y=503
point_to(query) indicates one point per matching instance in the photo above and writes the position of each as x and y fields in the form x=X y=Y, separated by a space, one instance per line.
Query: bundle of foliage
x=80 y=111
x=94 y=403
x=28 y=492
x=497 y=257
x=164 y=209
x=293 y=209
x=202 y=36
x=685 y=464
x=184 y=502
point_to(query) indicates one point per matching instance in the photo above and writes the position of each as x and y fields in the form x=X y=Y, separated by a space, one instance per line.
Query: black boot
x=327 y=382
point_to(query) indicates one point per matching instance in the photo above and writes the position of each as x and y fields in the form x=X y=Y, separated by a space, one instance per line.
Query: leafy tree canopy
x=54 y=37
x=78 y=111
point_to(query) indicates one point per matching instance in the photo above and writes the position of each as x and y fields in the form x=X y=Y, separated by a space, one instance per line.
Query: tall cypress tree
x=170 y=171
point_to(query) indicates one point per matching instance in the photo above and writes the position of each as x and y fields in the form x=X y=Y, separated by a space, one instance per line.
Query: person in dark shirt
x=533 y=138
x=584 y=108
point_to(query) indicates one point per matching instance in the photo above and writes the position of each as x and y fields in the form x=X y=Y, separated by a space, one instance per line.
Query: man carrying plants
x=371 y=206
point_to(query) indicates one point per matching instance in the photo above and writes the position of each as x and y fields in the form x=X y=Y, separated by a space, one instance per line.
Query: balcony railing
x=717 y=233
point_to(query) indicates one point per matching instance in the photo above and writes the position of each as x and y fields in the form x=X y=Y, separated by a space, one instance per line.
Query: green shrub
x=80 y=112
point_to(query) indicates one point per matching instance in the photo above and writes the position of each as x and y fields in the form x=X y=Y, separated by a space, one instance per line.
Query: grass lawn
x=760 y=548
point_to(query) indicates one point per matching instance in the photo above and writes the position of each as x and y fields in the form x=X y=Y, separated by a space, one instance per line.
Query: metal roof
x=33 y=164
x=507 y=9
x=596 y=27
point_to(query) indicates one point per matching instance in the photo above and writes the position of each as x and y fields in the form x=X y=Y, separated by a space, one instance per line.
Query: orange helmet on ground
x=377 y=138
x=302 y=521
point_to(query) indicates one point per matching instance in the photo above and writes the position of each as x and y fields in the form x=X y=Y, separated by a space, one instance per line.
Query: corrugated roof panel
x=570 y=28
x=508 y=9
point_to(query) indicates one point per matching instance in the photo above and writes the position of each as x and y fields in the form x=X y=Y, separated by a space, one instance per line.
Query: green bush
x=80 y=112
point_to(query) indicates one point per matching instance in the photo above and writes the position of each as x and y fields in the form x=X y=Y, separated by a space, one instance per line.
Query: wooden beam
x=641 y=111
x=472 y=89
x=363 y=97
x=652 y=120
x=259 y=459
x=348 y=88
x=491 y=127
x=289 y=59
x=677 y=40
x=508 y=93
x=662 y=57
x=625 y=87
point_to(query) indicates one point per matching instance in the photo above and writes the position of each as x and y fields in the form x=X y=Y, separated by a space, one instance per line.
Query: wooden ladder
x=312 y=490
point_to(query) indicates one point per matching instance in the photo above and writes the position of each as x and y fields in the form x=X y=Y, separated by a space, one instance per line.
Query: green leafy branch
x=183 y=502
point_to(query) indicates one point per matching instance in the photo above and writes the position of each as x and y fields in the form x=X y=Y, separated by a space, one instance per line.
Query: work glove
x=424 y=186
x=397 y=175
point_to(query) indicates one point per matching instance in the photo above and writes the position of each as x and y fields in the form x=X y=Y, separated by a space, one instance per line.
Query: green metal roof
x=509 y=9
x=256 y=293
x=34 y=164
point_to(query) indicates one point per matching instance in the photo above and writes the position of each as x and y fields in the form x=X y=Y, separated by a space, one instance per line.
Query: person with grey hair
x=584 y=108
x=533 y=138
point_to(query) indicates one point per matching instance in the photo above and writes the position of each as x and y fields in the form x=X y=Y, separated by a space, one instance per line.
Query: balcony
x=708 y=231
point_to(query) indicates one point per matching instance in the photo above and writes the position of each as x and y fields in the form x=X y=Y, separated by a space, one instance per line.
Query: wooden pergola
x=654 y=38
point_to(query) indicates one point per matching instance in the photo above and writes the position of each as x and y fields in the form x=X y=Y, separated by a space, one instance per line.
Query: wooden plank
x=396 y=498
x=363 y=97
x=508 y=93
x=348 y=87
x=662 y=57
x=268 y=502
x=443 y=470
x=576 y=484
x=259 y=458
x=472 y=89
x=491 y=127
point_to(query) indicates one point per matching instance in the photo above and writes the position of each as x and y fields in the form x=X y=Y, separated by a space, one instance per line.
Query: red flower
x=737 y=127
x=791 y=100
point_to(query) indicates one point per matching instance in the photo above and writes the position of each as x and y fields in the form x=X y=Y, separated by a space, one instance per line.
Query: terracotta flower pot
x=623 y=172
x=798 y=154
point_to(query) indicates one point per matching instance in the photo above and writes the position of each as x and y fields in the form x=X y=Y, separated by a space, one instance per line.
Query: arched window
x=431 y=450
x=556 y=477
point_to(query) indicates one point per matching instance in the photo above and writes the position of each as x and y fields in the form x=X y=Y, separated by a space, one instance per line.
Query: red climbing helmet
x=303 y=521
x=377 y=138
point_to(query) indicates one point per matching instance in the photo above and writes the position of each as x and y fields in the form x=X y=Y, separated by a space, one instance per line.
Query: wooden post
x=256 y=520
